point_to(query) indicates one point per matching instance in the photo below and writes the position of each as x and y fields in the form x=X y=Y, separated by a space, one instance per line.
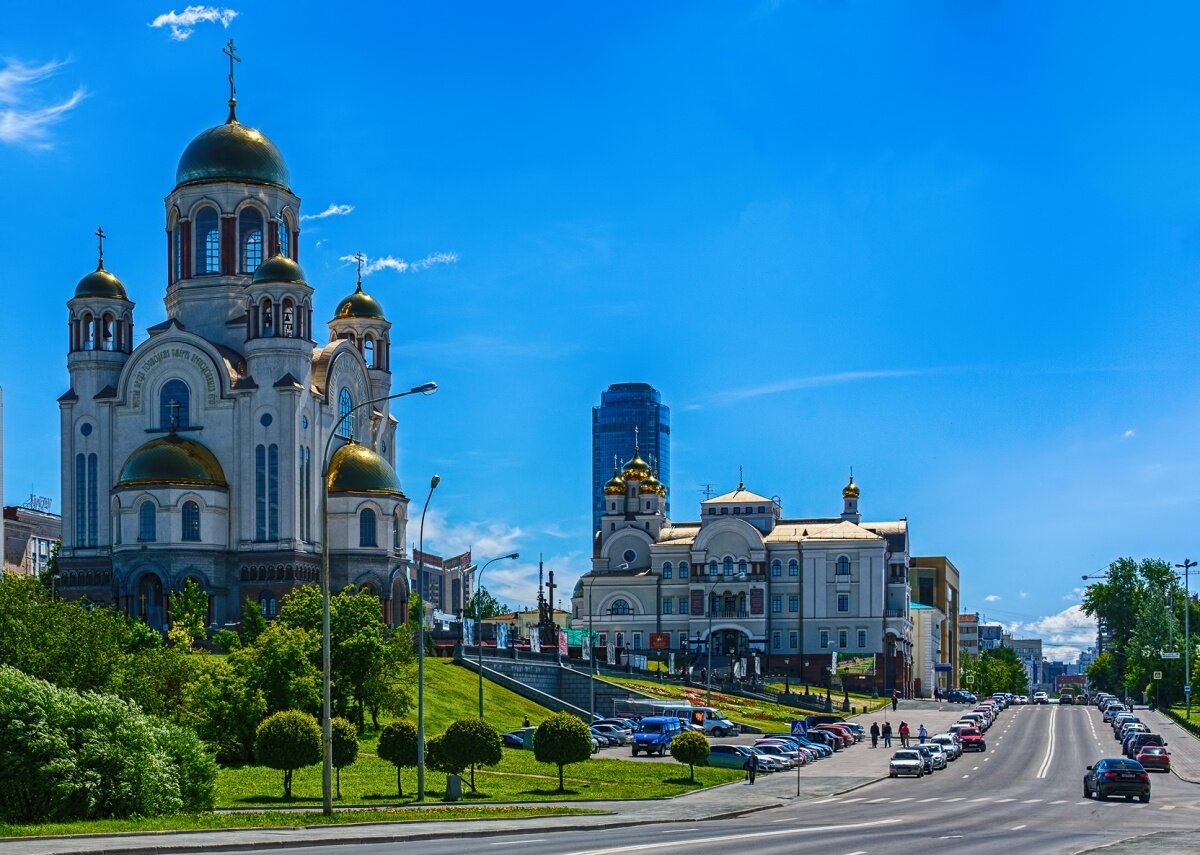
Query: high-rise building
x=626 y=408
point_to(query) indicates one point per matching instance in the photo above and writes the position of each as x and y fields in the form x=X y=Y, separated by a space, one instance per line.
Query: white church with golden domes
x=196 y=454
x=747 y=582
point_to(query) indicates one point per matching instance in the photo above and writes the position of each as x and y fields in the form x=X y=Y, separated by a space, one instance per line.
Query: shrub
x=66 y=755
x=562 y=739
x=398 y=746
x=345 y=747
x=226 y=640
x=225 y=710
x=471 y=742
x=288 y=740
x=690 y=747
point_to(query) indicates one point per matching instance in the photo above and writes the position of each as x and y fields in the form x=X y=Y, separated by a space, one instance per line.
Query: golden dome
x=652 y=486
x=101 y=283
x=850 y=491
x=359 y=305
x=279 y=268
x=355 y=468
x=172 y=460
x=636 y=469
x=615 y=486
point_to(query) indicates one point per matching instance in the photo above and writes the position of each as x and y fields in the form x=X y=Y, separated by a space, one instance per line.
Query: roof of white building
x=739 y=495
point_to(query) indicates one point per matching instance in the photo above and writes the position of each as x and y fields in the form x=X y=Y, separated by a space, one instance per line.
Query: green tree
x=690 y=747
x=280 y=665
x=253 y=622
x=345 y=747
x=288 y=740
x=226 y=640
x=471 y=742
x=390 y=687
x=398 y=746
x=189 y=611
x=562 y=739
x=225 y=709
x=158 y=679
x=485 y=605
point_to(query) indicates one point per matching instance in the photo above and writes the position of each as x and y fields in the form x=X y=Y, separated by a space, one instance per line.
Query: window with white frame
x=793 y=567
x=793 y=603
x=776 y=567
x=683 y=641
x=667 y=570
x=776 y=604
x=683 y=605
x=620 y=607
x=637 y=641
x=683 y=570
x=793 y=639
x=862 y=638
x=842 y=636
x=728 y=566
x=668 y=605
x=843 y=566
x=843 y=603
x=776 y=640
x=824 y=639
x=602 y=641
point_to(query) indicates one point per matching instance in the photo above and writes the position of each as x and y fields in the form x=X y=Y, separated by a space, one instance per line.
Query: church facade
x=799 y=594
x=197 y=454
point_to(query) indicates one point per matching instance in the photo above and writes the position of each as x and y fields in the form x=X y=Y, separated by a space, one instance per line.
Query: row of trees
x=996 y=670
x=1141 y=606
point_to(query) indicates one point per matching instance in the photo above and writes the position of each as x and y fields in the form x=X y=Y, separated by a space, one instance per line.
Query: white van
x=712 y=721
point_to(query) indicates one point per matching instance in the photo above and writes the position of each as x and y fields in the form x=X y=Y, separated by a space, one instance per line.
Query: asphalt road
x=1024 y=794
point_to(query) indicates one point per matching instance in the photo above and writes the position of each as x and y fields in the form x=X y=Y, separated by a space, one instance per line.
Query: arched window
x=266 y=492
x=366 y=528
x=191 y=521
x=793 y=568
x=266 y=314
x=177 y=251
x=742 y=567
x=843 y=566
x=174 y=405
x=369 y=352
x=266 y=604
x=345 y=405
x=621 y=607
x=397 y=530
x=88 y=332
x=208 y=242
x=667 y=570
x=683 y=570
x=288 y=322
x=250 y=239
x=146 y=515
x=712 y=568
x=285 y=237
x=776 y=567
x=728 y=566
x=107 y=332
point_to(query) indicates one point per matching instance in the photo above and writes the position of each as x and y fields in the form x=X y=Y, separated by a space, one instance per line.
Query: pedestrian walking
x=904 y=732
x=922 y=734
x=751 y=766
x=895 y=700
x=887 y=734
x=874 y=734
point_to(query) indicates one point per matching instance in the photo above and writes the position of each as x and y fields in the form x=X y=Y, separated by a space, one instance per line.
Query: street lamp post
x=433 y=482
x=479 y=626
x=740 y=577
x=326 y=683
x=1186 y=567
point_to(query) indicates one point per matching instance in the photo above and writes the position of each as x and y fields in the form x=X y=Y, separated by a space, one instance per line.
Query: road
x=1024 y=794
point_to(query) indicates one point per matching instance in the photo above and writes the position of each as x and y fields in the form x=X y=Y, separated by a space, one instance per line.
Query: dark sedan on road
x=1116 y=776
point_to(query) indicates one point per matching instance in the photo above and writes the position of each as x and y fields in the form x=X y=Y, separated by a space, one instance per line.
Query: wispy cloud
x=334 y=210
x=992 y=598
x=183 y=24
x=1129 y=434
x=20 y=122
x=390 y=262
x=1068 y=627
x=733 y=396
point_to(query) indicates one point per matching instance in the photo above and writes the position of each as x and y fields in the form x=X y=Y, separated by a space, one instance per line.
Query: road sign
x=1170 y=656
x=1158 y=675
x=970 y=678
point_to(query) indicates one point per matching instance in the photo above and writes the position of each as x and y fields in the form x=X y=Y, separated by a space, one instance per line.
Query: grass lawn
x=280 y=819
x=763 y=714
x=518 y=778
x=1181 y=711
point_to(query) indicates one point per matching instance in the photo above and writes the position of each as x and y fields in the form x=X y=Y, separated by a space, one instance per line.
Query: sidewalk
x=1183 y=747
x=847 y=770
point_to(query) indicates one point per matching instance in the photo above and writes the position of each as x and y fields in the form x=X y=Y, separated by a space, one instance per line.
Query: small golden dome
x=355 y=468
x=652 y=487
x=636 y=469
x=615 y=486
x=359 y=305
x=101 y=283
x=850 y=491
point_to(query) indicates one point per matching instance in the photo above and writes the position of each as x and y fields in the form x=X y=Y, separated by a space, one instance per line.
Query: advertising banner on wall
x=502 y=637
x=660 y=640
x=562 y=643
x=586 y=648
x=612 y=652
x=535 y=641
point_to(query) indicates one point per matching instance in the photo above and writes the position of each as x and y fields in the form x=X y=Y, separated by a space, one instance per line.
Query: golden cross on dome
x=359 y=258
x=99 y=233
x=231 y=51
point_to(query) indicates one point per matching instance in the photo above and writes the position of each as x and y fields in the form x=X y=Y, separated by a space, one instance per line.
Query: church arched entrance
x=729 y=642
x=149 y=601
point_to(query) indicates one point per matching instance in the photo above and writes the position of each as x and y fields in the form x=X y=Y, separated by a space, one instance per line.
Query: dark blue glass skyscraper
x=623 y=407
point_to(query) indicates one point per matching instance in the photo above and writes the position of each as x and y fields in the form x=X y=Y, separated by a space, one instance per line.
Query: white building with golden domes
x=196 y=454
x=789 y=591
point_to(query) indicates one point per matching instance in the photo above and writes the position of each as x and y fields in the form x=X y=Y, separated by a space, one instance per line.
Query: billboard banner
x=660 y=641
x=562 y=643
x=457 y=562
x=502 y=637
x=535 y=640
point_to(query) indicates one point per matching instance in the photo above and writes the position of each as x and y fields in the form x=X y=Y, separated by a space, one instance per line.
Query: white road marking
x=646 y=847
x=905 y=799
x=1135 y=807
x=858 y=852
x=1082 y=802
x=853 y=800
x=877 y=801
x=967 y=775
x=1045 y=767
x=1059 y=802
x=931 y=799
x=512 y=842
x=956 y=799
x=984 y=799
x=1002 y=801
x=1016 y=828
x=823 y=801
x=1030 y=801
x=1167 y=807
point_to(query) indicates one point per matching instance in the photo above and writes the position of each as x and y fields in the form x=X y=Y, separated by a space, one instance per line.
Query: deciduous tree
x=288 y=740
x=562 y=739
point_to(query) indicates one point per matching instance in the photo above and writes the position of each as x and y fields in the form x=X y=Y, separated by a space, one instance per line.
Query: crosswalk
x=836 y=800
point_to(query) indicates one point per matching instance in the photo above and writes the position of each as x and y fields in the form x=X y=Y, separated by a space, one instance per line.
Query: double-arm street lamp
x=740 y=577
x=326 y=683
x=1186 y=567
x=512 y=556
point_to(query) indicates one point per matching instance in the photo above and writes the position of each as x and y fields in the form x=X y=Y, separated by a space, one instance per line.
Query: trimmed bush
x=562 y=739
x=398 y=746
x=288 y=740
x=690 y=747
x=345 y=747
x=67 y=755
x=471 y=742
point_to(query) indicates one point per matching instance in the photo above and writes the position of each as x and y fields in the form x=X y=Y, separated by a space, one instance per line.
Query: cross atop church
x=231 y=51
x=99 y=233
x=359 y=258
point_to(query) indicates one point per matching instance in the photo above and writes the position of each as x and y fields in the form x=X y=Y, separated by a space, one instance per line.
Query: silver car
x=906 y=761
x=939 y=756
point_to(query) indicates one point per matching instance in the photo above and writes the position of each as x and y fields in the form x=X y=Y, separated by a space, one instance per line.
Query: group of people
x=904 y=732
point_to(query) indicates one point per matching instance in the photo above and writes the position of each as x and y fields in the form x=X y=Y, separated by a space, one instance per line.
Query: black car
x=958 y=696
x=1117 y=776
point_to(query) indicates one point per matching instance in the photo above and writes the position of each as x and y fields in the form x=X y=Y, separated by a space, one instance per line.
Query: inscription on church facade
x=198 y=360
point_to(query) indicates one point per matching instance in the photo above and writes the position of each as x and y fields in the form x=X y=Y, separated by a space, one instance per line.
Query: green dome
x=279 y=268
x=101 y=283
x=170 y=461
x=359 y=305
x=232 y=152
x=355 y=468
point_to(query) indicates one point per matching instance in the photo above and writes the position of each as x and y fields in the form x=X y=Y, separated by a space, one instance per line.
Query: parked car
x=1142 y=740
x=603 y=738
x=906 y=761
x=1116 y=776
x=512 y=740
x=788 y=759
x=802 y=755
x=728 y=756
x=654 y=734
x=846 y=734
x=857 y=729
x=932 y=753
x=1154 y=757
x=950 y=745
x=1041 y=698
x=616 y=735
x=1111 y=711
x=959 y=696
x=972 y=739
x=768 y=762
x=1130 y=728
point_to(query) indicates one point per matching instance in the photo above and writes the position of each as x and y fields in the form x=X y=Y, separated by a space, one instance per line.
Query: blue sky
x=953 y=245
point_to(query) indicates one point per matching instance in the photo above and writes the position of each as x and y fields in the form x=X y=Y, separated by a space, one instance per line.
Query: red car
x=841 y=731
x=1155 y=757
x=972 y=739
